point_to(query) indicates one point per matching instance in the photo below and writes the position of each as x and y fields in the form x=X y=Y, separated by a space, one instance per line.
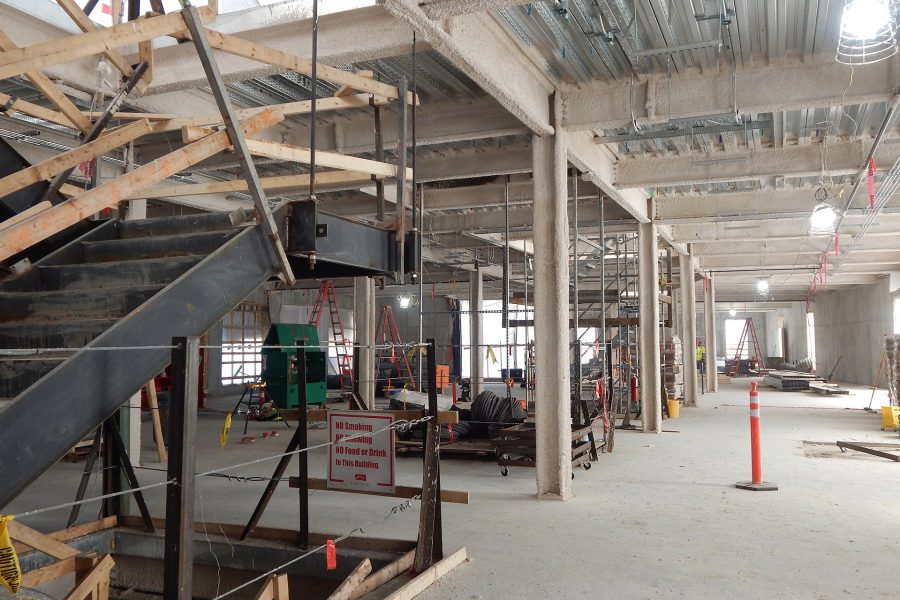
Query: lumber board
x=277 y=58
x=275 y=534
x=349 y=585
x=400 y=491
x=64 y=535
x=430 y=575
x=25 y=214
x=40 y=541
x=275 y=588
x=97 y=41
x=74 y=157
x=33 y=230
x=334 y=160
x=153 y=401
x=85 y=23
x=445 y=417
x=270 y=184
x=171 y=122
x=27 y=108
x=382 y=576
x=98 y=577
x=51 y=92
x=145 y=54
x=50 y=572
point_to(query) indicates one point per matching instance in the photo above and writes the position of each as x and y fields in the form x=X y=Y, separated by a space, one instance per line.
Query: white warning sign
x=361 y=456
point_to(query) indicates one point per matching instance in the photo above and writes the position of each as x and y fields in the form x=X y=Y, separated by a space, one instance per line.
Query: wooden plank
x=334 y=160
x=51 y=92
x=25 y=214
x=445 y=417
x=94 y=581
x=96 y=41
x=270 y=184
x=145 y=54
x=429 y=576
x=50 y=572
x=275 y=588
x=382 y=576
x=271 y=56
x=349 y=585
x=153 y=401
x=65 y=535
x=29 y=232
x=74 y=157
x=400 y=491
x=40 y=541
x=27 y=108
x=275 y=534
x=172 y=122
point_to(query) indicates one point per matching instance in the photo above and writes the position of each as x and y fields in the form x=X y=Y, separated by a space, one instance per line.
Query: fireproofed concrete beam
x=759 y=90
x=844 y=158
x=482 y=48
x=442 y=9
x=735 y=204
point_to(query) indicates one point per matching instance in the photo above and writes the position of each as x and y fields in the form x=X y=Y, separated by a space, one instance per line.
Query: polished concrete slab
x=658 y=518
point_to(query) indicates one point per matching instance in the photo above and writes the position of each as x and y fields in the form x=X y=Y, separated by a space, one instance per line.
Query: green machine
x=279 y=371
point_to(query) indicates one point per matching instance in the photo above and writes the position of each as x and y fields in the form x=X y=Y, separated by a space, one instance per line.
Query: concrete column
x=688 y=317
x=364 y=320
x=648 y=291
x=476 y=332
x=131 y=431
x=551 y=317
x=709 y=308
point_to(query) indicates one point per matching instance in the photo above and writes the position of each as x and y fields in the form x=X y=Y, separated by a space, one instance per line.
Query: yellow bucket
x=890 y=417
x=674 y=408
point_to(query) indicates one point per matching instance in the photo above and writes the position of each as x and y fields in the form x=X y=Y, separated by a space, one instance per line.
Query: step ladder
x=748 y=336
x=388 y=334
x=342 y=345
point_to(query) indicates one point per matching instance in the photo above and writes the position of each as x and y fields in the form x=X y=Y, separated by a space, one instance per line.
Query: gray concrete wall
x=759 y=323
x=794 y=319
x=851 y=324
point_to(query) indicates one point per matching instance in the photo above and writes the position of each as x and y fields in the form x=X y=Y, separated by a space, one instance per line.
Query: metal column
x=476 y=332
x=179 y=541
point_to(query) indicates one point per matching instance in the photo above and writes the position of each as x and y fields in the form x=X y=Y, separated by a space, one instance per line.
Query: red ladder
x=344 y=355
x=388 y=333
x=748 y=336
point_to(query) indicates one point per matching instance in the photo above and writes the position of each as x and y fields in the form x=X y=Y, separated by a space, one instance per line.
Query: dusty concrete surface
x=659 y=518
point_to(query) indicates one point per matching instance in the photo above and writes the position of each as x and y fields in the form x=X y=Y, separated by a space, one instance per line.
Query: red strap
x=330 y=556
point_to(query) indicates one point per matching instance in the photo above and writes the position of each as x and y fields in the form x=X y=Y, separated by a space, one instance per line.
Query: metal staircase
x=122 y=285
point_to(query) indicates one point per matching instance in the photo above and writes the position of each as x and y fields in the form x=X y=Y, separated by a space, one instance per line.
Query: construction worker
x=701 y=363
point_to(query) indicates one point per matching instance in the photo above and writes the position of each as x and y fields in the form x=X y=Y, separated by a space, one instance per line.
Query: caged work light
x=868 y=32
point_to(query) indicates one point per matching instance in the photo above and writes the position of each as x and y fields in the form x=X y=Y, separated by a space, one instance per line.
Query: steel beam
x=178 y=563
x=236 y=135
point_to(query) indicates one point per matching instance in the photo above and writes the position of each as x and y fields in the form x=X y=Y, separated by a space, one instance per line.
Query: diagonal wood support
x=217 y=84
x=31 y=231
x=51 y=92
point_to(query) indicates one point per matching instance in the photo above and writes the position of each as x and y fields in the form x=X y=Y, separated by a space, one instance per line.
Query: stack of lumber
x=791 y=380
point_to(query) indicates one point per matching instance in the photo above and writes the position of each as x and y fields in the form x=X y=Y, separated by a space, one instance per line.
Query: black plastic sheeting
x=488 y=414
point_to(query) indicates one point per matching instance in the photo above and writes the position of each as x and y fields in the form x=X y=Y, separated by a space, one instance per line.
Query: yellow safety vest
x=701 y=352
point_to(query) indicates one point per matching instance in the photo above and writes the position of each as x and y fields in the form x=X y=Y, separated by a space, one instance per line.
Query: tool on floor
x=257 y=408
x=868 y=449
x=834 y=368
x=756 y=483
x=881 y=367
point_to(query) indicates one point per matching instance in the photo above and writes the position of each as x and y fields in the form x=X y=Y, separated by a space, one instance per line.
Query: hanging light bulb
x=868 y=30
x=732 y=312
x=864 y=18
x=762 y=286
x=822 y=218
x=405 y=300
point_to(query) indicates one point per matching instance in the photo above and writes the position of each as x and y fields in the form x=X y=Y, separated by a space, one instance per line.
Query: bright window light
x=864 y=19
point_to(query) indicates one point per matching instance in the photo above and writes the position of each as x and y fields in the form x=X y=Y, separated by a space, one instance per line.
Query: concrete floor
x=658 y=518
